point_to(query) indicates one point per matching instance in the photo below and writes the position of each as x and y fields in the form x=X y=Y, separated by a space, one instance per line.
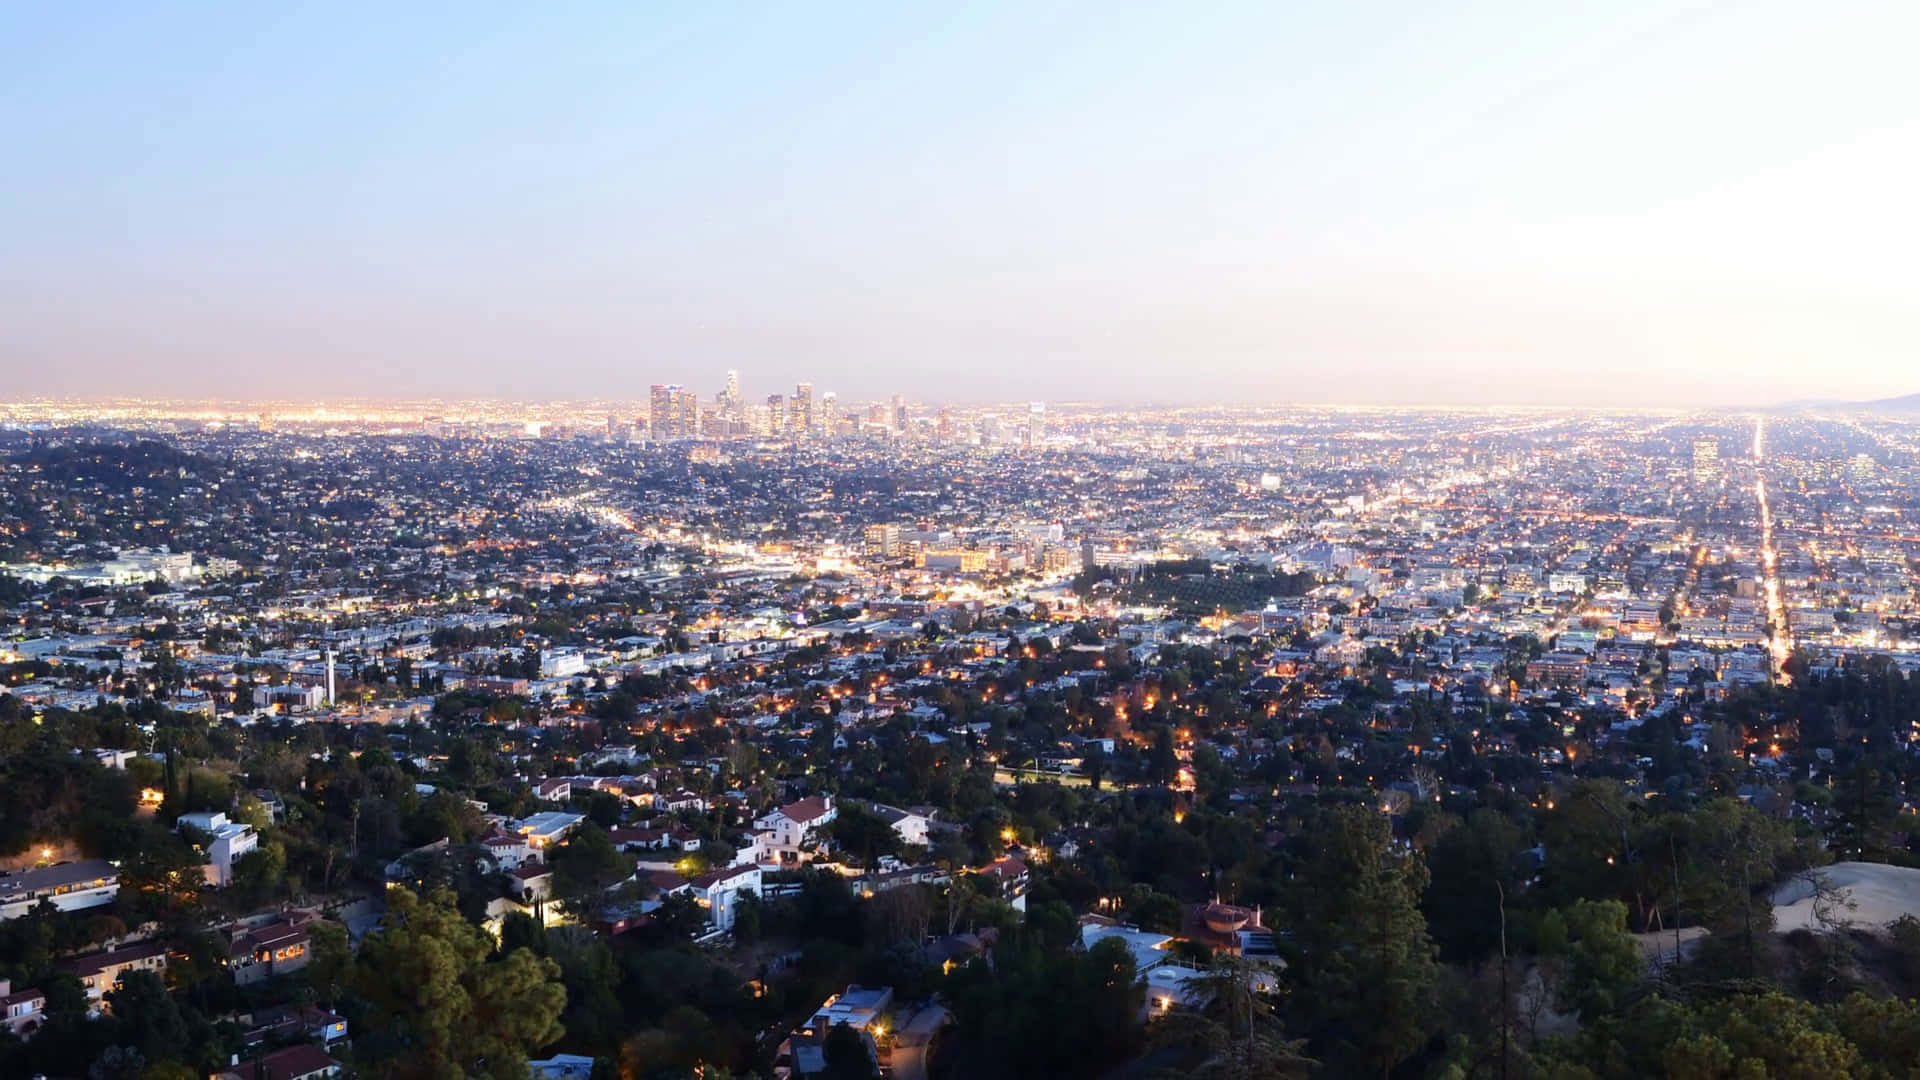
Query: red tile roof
x=806 y=810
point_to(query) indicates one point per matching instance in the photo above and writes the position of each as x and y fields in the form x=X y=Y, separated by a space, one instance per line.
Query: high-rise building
x=1036 y=422
x=660 y=415
x=800 y=411
x=686 y=407
x=776 y=415
x=883 y=540
x=830 y=416
x=730 y=397
x=673 y=412
x=1706 y=461
x=899 y=415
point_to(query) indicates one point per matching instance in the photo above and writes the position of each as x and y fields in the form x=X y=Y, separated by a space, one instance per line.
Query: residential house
x=719 y=892
x=510 y=851
x=682 y=800
x=910 y=825
x=69 y=886
x=677 y=838
x=1010 y=873
x=795 y=827
x=532 y=882
x=292 y=1063
x=547 y=827
x=285 y=1022
x=260 y=953
x=227 y=841
x=21 y=1011
x=864 y=1009
x=100 y=972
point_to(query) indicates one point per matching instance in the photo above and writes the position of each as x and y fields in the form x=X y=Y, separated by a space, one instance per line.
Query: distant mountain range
x=1907 y=404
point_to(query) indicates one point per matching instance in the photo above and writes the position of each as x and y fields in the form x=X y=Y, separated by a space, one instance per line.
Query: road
x=1780 y=635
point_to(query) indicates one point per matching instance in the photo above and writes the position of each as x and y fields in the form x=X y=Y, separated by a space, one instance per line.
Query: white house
x=23 y=1011
x=533 y=882
x=510 y=851
x=228 y=841
x=547 y=827
x=69 y=887
x=910 y=825
x=719 y=892
x=682 y=800
x=561 y=662
x=100 y=972
x=786 y=830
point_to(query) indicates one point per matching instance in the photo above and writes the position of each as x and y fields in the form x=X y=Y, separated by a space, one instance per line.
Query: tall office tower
x=943 y=430
x=730 y=397
x=800 y=412
x=673 y=412
x=1036 y=422
x=1706 y=461
x=899 y=415
x=877 y=417
x=686 y=407
x=776 y=415
x=660 y=415
x=830 y=416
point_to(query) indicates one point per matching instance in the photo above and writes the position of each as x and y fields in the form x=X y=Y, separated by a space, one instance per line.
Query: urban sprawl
x=719 y=734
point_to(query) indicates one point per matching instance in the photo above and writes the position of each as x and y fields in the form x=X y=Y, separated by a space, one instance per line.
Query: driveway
x=913 y=1040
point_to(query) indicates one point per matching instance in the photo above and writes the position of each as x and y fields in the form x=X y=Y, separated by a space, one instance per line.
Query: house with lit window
x=510 y=851
x=69 y=886
x=21 y=1011
x=259 y=953
x=787 y=832
x=99 y=973
x=547 y=827
x=284 y=1023
x=718 y=892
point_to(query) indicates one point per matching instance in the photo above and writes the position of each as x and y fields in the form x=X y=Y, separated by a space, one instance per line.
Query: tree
x=330 y=959
x=1472 y=866
x=858 y=831
x=846 y=1054
x=1253 y=1045
x=585 y=867
x=1361 y=970
x=147 y=1018
x=439 y=1008
x=1597 y=959
x=590 y=974
x=260 y=874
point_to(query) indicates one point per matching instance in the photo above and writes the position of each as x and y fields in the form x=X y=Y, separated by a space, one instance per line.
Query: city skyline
x=1400 y=205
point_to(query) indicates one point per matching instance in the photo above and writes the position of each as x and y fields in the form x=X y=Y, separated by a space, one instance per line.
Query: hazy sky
x=1506 y=202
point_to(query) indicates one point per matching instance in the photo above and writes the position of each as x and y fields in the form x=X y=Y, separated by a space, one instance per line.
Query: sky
x=1615 y=204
